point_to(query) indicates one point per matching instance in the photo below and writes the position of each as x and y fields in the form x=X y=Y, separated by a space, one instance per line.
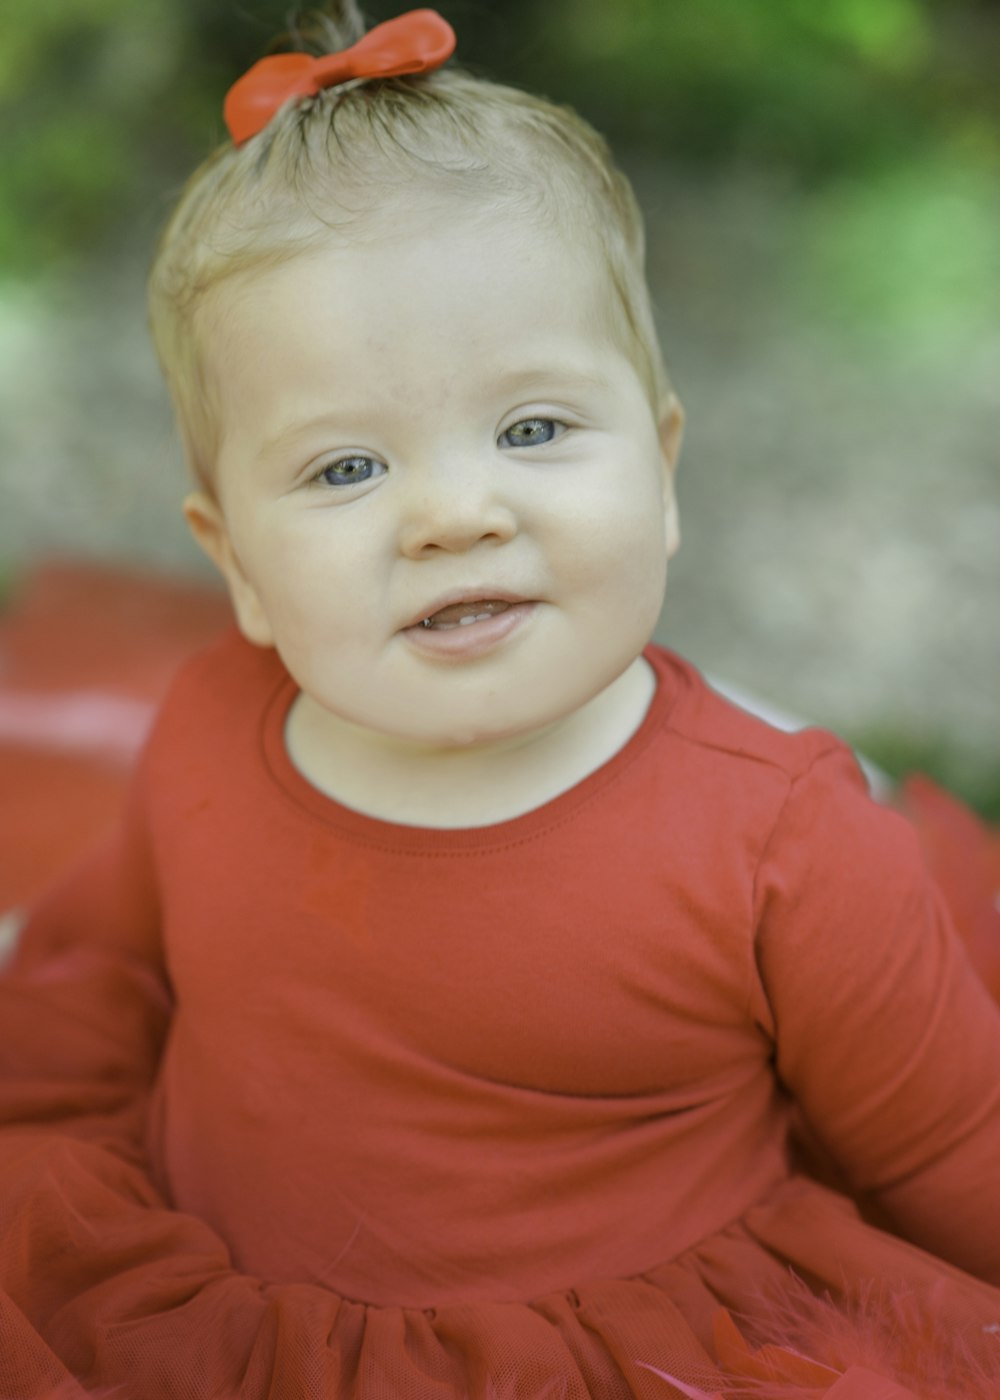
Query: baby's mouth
x=464 y=614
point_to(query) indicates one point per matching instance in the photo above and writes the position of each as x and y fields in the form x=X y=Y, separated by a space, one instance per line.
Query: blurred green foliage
x=105 y=103
x=814 y=87
x=912 y=249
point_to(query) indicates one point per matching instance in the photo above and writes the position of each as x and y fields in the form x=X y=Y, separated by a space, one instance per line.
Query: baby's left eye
x=530 y=432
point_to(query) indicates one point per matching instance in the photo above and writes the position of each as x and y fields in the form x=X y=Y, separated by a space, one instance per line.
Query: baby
x=444 y=1021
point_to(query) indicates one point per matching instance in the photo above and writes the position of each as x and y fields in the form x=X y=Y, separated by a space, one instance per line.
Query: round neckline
x=398 y=836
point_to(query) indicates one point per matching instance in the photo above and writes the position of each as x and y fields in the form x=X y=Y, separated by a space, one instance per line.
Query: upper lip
x=465 y=595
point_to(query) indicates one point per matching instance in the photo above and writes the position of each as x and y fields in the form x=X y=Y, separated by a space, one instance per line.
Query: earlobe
x=671 y=427
x=211 y=533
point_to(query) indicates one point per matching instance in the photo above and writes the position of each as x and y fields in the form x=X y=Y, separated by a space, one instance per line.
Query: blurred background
x=822 y=185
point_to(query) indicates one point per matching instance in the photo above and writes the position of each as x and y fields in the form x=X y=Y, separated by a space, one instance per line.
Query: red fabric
x=296 y=1103
x=963 y=855
x=86 y=654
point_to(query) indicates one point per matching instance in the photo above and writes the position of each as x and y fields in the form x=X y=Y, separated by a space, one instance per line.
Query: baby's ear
x=671 y=427
x=671 y=424
x=208 y=525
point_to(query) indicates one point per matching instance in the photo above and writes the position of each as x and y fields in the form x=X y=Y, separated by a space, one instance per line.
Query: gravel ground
x=840 y=491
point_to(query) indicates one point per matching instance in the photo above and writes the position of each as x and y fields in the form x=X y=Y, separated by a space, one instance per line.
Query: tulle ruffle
x=800 y=1300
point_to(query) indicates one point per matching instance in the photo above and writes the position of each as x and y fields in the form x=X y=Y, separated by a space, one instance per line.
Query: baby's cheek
x=628 y=556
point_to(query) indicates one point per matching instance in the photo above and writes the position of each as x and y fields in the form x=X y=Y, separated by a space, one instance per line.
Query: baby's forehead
x=413 y=226
x=422 y=266
x=447 y=307
x=280 y=338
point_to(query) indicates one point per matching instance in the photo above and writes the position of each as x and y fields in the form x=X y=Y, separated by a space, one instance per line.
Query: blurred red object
x=86 y=653
x=963 y=855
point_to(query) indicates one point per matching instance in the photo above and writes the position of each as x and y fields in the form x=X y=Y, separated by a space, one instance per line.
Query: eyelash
x=339 y=463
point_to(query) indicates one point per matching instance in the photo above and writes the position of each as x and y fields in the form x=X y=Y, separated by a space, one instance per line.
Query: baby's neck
x=463 y=787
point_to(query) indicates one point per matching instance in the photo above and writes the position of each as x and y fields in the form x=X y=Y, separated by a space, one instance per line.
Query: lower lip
x=472 y=639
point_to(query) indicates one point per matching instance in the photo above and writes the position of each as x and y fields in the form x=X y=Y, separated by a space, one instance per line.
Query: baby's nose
x=453 y=506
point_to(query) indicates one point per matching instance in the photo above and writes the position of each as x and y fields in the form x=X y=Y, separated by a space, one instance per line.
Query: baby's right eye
x=349 y=471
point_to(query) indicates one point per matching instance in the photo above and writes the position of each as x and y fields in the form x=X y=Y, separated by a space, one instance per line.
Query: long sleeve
x=883 y=1033
x=85 y=999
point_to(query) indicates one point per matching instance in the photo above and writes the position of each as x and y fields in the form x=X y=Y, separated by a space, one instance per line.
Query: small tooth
x=462 y=621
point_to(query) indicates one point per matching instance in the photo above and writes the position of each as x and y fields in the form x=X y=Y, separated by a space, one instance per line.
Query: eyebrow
x=573 y=376
x=290 y=431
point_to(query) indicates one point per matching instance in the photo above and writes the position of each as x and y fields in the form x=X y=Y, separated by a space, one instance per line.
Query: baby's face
x=438 y=424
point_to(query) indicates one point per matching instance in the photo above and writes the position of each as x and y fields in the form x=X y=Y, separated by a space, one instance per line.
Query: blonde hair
x=319 y=167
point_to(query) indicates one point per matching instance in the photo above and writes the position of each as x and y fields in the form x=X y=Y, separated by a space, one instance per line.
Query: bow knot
x=416 y=42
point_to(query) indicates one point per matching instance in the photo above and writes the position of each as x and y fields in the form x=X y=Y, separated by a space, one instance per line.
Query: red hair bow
x=416 y=42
